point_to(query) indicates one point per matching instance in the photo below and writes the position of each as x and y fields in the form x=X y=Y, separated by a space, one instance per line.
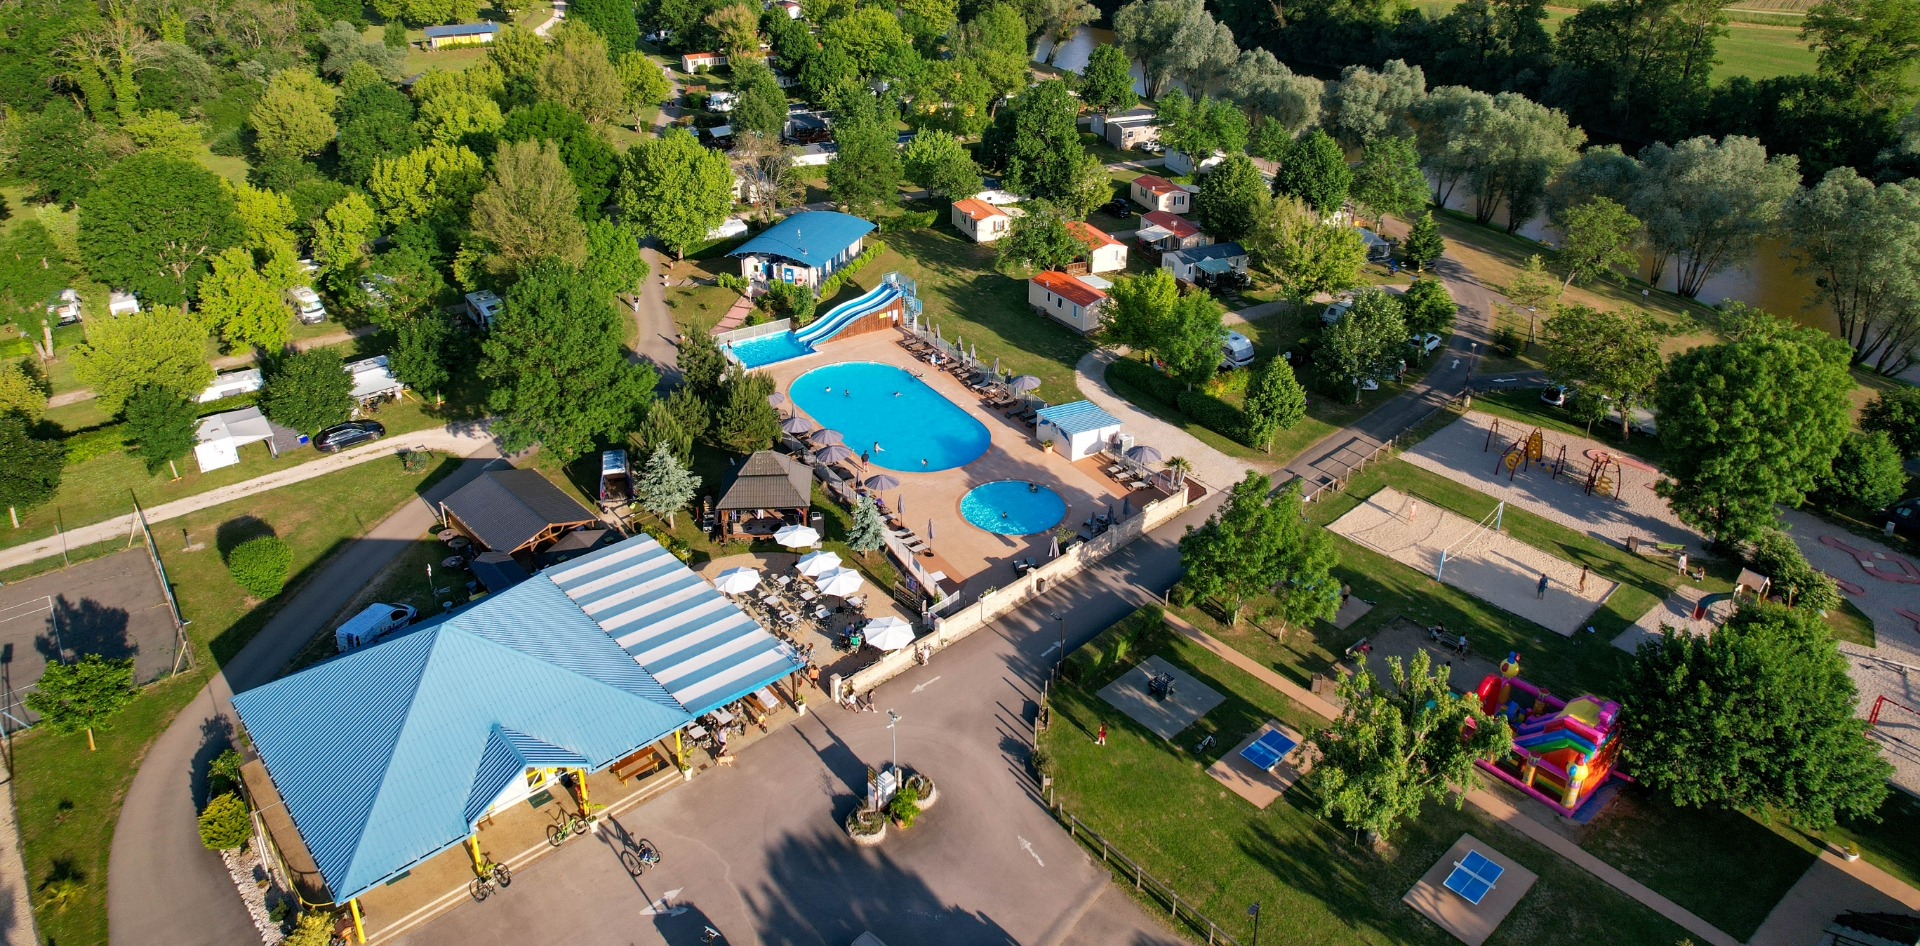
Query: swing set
x=1604 y=475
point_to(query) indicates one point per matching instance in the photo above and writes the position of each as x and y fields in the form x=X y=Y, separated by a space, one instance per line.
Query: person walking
x=1583 y=579
x=1100 y=738
x=1541 y=591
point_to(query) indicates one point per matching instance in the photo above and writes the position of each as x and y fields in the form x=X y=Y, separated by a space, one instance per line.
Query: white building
x=980 y=221
x=222 y=435
x=372 y=379
x=1158 y=193
x=1104 y=253
x=1077 y=301
x=228 y=384
x=1077 y=429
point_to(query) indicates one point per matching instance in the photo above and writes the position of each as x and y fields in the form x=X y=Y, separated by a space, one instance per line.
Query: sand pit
x=1489 y=565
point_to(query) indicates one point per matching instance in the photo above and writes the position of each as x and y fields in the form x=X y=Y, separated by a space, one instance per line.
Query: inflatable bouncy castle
x=1563 y=750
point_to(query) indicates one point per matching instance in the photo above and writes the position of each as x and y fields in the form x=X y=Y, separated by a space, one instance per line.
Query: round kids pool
x=891 y=416
x=1013 y=507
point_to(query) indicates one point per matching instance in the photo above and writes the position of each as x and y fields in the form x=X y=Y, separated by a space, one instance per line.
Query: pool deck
x=966 y=552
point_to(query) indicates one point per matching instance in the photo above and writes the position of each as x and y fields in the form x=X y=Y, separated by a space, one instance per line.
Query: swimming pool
x=894 y=417
x=1013 y=507
x=767 y=349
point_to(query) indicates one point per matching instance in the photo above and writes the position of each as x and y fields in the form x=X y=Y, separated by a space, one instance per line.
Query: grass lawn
x=69 y=799
x=1757 y=52
x=1153 y=800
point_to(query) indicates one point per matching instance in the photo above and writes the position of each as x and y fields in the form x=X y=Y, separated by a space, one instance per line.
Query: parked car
x=1555 y=394
x=1905 y=516
x=352 y=433
x=1428 y=345
x=1119 y=208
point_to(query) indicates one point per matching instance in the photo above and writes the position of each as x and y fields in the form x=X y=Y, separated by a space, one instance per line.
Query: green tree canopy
x=1315 y=171
x=154 y=224
x=435 y=180
x=1424 y=243
x=1138 y=307
x=261 y=565
x=578 y=74
x=29 y=467
x=1259 y=543
x=1599 y=241
x=22 y=392
x=1232 y=197
x=675 y=190
x=867 y=533
x=1035 y=142
x=422 y=350
x=612 y=19
x=762 y=105
x=938 y=162
x=58 y=153
x=1106 y=84
x=1389 y=180
x=592 y=162
x=529 y=208
x=1750 y=424
x=1896 y=412
x=745 y=422
x=163 y=425
x=1365 y=343
x=1757 y=714
x=1867 y=471
x=866 y=175
x=1040 y=240
x=1429 y=308
x=1616 y=354
x=308 y=391
x=561 y=378
x=665 y=485
x=1191 y=337
x=1292 y=245
x=1867 y=47
x=161 y=346
x=1774 y=554
x=243 y=304
x=294 y=116
x=1860 y=241
x=83 y=694
x=1275 y=402
x=613 y=257
x=1704 y=203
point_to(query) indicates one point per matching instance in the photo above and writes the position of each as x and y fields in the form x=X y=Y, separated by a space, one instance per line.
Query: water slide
x=848 y=313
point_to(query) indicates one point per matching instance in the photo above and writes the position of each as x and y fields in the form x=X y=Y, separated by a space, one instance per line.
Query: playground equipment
x=893 y=287
x=1563 y=750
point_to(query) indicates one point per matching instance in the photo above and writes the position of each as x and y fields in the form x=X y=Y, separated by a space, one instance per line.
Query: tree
x=58 y=152
x=1202 y=128
x=1394 y=747
x=1706 y=202
x=1259 y=543
x=340 y=235
x=458 y=116
x=1861 y=244
x=1750 y=424
x=1429 y=308
x=1292 y=245
x=1776 y=556
x=308 y=391
x=1275 y=402
x=21 y=393
x=1040 y=240
x=29 y=467
x=1599 y=241
x=161 y=346
x=260 y=565
x=1174 y=39
x=1867 y=471
x=1424 y=244
x=163 y=426
x=1192 y=337
x=737 y=28
x=1137 y=309
x=345 y=49
x=528 y=210
x=165 y=132
x=1757 y=714
x=746 y=422
x=363 y=142
x=1389 y=179
x=1534 y=289
x=243 y=305
x=589 y=159
x=643 y=84
x=314 y=928
x=1090 y=187
x=401 y=285
x=421 y=349
x=1314 y=170
x=1867 y=47
x=665 y=486
x=867 y=533
x=866 y=175
x=1231 y=198
x=1106 y=84
x=613 y=258
x=938 y=162
x=82 y=695
x=675 y=190
x=1896 y=412
x=612 y=19
x=225 y=824
x=153 y=225
x=702 y=369
x=1513 y=152
x=1365 y=343
x=294 y=116
x=266 y=218
x=1035 y=142
x=762 y=106
x=578 y=74
x=434 y=180
x=33 y=269
x=560 y=377
x=1616 y=354
x=927 y=21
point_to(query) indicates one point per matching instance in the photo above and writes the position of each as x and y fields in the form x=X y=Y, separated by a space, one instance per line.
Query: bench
x=645 y=762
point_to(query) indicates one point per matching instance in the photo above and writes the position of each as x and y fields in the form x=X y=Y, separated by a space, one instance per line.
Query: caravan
x=1236 y=351
x=377 y=621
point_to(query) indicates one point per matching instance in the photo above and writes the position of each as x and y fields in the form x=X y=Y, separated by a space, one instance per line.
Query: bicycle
x=491 y=875
x=710 y=935
x=569 y=826
x=639 y=857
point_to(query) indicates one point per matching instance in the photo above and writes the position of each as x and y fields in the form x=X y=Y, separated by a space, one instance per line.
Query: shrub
x=1896 y=411
x=731 y=281
x=1042 y=761
x=260 y=565
x=1214 y=414
x=223 y=773
x=95 y=442
x=909 y=221
x=224 y=823
x=788 y=301
x=905 y=805
x=1867 y=471
x=1776 y=556
x=833 y=283
x=1228 y=382
x=314 y=929
x=1150 y=380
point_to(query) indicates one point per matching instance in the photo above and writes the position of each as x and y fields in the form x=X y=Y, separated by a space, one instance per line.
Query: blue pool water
x=1013 y=507
x=767 y=349
x=915 y=429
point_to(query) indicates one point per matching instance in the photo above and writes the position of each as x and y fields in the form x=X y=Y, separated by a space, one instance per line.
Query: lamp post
x=892 y=719
x=1062 y=662
x=1253 y=910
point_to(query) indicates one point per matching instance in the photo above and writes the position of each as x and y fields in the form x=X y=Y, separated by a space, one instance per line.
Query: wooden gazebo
x=513 y=511
x=763 y=491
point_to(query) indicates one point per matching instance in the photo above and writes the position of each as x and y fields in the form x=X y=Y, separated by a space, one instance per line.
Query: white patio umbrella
x=840 y=583
x=1025 y=382
x=889 y=633
x=815 y=564
x=737 y=581
x=797 y=537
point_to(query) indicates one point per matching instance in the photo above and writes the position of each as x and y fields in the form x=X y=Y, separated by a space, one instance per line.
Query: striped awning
x=692 y=639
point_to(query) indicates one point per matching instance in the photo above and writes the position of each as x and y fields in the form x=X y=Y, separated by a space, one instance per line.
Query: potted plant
x=1850 y=851
x=925 y=793
x=867 y=826
x=905 y=805
x=800 y=703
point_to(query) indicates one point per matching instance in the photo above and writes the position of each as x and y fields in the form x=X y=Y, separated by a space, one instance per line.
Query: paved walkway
x=657 y=343
x=1260 y=671
x=463 y=439
x=163 y=886
x=1210 y=466
x=1832 y=886
x=16 y=911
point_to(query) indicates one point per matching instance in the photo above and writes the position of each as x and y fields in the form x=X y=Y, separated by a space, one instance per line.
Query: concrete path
x=1210 y=466
x=657 y=343
x=70 y=397
x=559 y=13
x=163 y=887
x=1832 y=886
x=1258 y=670
x=462 y=439
x=16 y=910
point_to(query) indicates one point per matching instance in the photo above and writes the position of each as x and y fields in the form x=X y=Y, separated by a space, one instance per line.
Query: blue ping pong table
x=1473 y=877
x=1267 y=751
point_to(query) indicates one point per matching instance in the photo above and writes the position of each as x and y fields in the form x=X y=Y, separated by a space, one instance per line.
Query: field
x=1753 y=50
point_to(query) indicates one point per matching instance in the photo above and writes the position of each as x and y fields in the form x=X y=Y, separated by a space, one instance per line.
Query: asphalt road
x=163 y=887
x=757 y=850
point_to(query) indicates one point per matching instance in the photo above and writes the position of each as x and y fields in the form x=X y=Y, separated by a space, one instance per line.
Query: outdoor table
x=808 y=596
x=789 y=619
x=766 y=698
x=783 y=580
x=721 y=716
x=697 y=731
x=821 y=614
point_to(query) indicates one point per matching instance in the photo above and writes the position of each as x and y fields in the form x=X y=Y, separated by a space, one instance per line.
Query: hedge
x=838 y=279
x=95 y=442
x=1202 y=408
x=1119 y=646
x=909 y=221
x=260 y=565
x=1149 y=379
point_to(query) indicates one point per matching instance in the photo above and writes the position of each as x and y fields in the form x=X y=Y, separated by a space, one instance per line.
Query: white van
x=1236 y=351
x=306 y=305
x=377 y=621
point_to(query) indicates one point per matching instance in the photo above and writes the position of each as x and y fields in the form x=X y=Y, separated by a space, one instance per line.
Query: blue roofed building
x=1077 y=429
x=804 y=249
x=392 y=753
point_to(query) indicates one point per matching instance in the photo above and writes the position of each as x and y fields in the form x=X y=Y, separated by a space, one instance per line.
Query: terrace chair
x=916 y=546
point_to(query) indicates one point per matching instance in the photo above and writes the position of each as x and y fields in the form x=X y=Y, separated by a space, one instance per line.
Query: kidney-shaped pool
x=890 y=415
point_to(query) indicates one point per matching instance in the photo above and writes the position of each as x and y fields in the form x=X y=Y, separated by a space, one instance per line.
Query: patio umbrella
x=1143 y=454
x=823 y=436
x=796 y=537
x=929 y=530
x=815 y=564
x=1126 y=506
x=996 y=366
x=1053 y=547
x=973 y=351
x=882 y=482
x=796 y=425
x=889 y=633
x=833 y=453
x=840 y=583
x=900 y=504
x=737 y=581
x=1025 y=382
x=776 y=399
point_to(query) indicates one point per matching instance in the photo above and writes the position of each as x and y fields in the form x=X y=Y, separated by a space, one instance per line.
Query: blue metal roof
x=810 y=238
x=461 y=29
x=1078 y=417
x=695 y=641
x=1210 y=251
x=385 y=754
